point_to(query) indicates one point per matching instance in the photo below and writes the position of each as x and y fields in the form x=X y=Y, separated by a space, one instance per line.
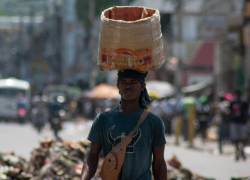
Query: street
x=202 y=160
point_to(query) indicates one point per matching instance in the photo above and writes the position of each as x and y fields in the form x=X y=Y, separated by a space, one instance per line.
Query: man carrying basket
x=131 y=138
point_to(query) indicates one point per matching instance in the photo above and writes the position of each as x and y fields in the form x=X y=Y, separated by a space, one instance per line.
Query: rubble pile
x=63 y=160
x=13 y=167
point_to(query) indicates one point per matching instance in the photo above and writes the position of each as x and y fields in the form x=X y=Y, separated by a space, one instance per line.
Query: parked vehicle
x=66 y=95
x=14 y=99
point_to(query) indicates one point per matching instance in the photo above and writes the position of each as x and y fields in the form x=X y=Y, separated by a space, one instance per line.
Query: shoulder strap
x=127 y=139
x=140 y=121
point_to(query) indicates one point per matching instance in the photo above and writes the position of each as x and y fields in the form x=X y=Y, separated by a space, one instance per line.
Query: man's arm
x=92 y=161
x=159 y=164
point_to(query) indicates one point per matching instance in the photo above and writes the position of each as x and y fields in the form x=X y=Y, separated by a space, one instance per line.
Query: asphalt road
x=23 y=138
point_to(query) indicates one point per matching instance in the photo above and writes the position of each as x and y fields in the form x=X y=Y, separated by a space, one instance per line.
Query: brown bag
x=113 y=161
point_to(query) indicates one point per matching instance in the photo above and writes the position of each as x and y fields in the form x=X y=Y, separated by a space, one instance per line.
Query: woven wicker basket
x=130 y=38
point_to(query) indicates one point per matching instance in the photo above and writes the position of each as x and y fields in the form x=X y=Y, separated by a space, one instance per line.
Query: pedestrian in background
x=223 y=121
x=203 y=116
x=238 y=126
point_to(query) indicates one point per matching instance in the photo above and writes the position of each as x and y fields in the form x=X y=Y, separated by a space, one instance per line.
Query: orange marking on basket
x=119 y=58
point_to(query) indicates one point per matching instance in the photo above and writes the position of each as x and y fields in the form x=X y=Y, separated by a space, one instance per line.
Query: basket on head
x=130 y=38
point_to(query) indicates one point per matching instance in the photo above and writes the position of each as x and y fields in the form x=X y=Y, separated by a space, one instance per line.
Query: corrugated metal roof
x=205 y=55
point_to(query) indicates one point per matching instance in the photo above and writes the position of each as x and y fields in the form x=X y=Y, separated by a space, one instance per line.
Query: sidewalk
x=208 y=146
x=205 y=160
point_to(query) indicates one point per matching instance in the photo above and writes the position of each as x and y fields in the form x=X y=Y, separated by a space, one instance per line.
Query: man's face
x=130 y=88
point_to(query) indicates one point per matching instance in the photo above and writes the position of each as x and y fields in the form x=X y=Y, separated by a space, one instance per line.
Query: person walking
x=223 y=122
x=148 y=143
x=204 y=116
x=238 y=126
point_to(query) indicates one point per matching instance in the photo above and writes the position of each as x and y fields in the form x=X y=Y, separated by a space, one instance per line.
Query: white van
x=12 y=91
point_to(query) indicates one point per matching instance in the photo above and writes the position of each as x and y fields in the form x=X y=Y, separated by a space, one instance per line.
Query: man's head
x=131 y=85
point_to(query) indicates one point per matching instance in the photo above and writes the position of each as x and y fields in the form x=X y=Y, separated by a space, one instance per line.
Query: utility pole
x=57 y=28
x=19 y=54
x=91 y=66
x=69 y=40
x=246 y=31
x=177 y=75
x=179 y=20
x=30 y=54
x=179 y=41
x=218 y=71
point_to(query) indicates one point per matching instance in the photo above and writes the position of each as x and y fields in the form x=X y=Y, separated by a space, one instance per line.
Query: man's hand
x=159 y=164
x=92 y=162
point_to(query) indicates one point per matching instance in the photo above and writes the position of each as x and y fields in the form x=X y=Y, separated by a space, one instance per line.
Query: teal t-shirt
x=109 y=127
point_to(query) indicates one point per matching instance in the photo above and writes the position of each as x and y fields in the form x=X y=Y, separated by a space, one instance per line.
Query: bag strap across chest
x=127 y=139
x=140 y=121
